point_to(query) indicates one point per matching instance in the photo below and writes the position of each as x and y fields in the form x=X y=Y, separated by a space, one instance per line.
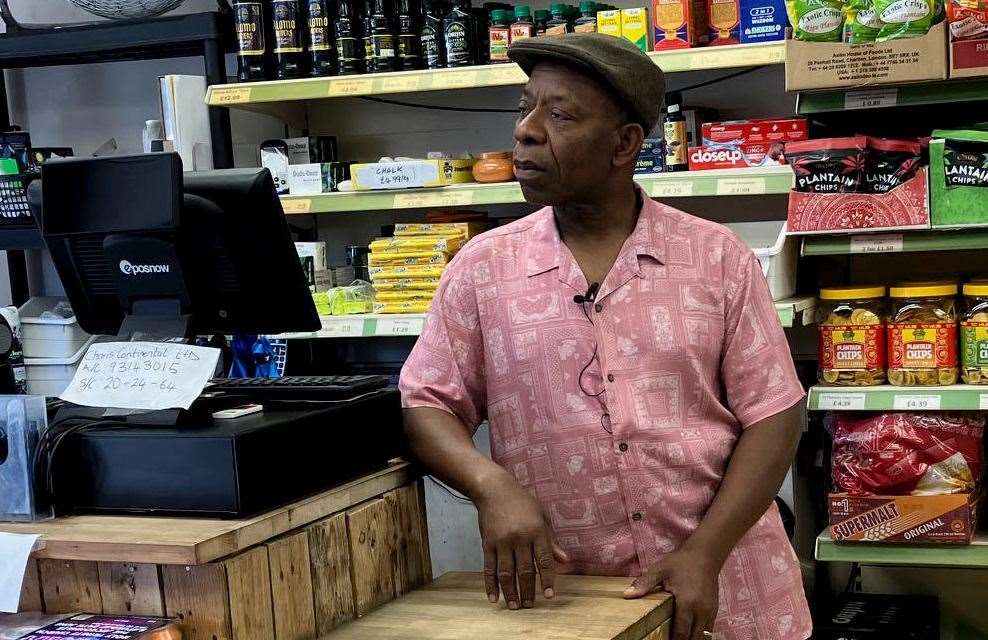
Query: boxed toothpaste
x=736 y=156
x=755 y=131
x=763 y=20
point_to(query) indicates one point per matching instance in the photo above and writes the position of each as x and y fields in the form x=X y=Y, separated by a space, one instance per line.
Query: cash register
x=147 y=252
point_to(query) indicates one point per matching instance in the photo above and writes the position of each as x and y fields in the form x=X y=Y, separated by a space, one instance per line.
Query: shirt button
x=610 y=377
x=598 y=307
x=623 y=447
x=636 y=516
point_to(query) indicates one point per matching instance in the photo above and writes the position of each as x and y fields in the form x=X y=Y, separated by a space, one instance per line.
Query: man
x=641 y=395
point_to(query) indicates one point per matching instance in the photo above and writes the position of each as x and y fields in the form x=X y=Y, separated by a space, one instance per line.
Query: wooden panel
x=31 y=588
x=454 y=606
x=424 y=524
x=397 y=543
x=369 y=527
x=664 y=632
x=332 y=590
x=198 y=597
x=131 y=589
x=69 y=586
x=418 y=563
x=291 y=588
x=249 y=582
x=184 y=541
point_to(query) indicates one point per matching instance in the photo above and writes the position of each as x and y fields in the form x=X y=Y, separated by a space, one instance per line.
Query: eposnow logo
x=136 y=269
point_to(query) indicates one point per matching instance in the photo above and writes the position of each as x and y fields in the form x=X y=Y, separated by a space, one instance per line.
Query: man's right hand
x=518 y=543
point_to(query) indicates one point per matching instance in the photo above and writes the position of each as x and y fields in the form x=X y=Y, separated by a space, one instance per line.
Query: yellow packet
x=465 y=229
x=417 y=258
x=401 y=307
x=404 y=296
x=445 y=243
x=398 y=272
x=406 y=284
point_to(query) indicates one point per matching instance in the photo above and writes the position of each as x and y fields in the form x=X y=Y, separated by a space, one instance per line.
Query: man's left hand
x=692 y=577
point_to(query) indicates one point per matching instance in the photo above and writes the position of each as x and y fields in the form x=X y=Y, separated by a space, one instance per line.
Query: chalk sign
x=141 y=375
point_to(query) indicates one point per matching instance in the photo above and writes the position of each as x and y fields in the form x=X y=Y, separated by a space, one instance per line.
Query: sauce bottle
x=383 y=38
x=587 y=22
x=558 y=23
x=321 y=52
x=674 y=134
x=523 y=27
x=287 y=16
x=350 y=59
x=500 y=35
x=458 y=30
x=409 y=52
x=368 y=35
x=541 y=21
x=433 y=40
x=251 y=46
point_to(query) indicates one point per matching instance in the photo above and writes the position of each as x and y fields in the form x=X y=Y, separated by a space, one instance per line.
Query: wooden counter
x=293 y=573
x=454 y=607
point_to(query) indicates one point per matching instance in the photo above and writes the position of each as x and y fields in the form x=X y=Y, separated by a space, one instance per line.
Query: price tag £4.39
x=916 y=402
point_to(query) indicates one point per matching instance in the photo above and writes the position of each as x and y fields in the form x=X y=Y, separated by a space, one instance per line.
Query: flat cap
x=636 y=81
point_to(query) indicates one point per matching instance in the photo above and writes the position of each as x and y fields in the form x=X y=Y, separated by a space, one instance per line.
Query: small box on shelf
x=411 y=173
x=958 y=179
x=941 y=519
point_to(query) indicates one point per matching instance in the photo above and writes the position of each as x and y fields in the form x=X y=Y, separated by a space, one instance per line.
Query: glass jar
x=922 y=334
x=851 y=336
x=974 y=333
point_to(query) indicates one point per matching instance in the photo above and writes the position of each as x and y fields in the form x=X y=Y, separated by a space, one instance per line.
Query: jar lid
x=923 y=290
x=859 y=292
x=976 y=288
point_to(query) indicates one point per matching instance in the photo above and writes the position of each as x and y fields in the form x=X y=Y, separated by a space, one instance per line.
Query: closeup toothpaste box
x=735 y=156
x=763 y=20
x=752 y=131
x=745 y=143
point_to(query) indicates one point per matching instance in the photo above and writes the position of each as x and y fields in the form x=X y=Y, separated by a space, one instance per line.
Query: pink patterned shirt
x=689 y=353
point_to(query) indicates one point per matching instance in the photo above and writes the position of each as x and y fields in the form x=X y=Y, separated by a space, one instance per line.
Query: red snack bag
x=828 y=165
x=901 y=454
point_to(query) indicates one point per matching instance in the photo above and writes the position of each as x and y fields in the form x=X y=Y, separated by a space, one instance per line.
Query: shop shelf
x=902 y=242
x=972 y=556
x=902 y=96
x=958 y=397
x=796 y=311
x=727 y=182
x=496 y=75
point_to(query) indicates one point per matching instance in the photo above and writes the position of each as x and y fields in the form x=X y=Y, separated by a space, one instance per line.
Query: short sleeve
x=756 y=367
x=445 y=369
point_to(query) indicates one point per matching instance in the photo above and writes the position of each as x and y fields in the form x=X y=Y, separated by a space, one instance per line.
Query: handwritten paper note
x=141 y=375
x=398 y=175
x=14 y=551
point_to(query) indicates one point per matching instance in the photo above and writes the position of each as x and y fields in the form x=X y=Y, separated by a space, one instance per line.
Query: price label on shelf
x=914 y=402
x=831 y=401
x=296 y=205
x=506 y=74
x=350 y=87
x=433 y=199
x=740 y=186
x=232 y=95
x=877 y=243
x=871 y=98
x=342 y=327
x=983 y=401
x=401 y=83
x=399 y=326
x=454 y=79
x=671 y=189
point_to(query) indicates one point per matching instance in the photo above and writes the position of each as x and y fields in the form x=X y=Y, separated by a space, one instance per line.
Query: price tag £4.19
x=837 y=401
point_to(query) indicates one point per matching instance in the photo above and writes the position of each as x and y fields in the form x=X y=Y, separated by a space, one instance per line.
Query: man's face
x=565 y=136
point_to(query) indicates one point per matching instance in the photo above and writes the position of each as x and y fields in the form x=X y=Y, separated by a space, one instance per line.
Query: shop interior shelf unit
x=721 y=182
x=958 y=397
x=973 y=556
x=895 y=242
x=495 y=75
x=943 y=92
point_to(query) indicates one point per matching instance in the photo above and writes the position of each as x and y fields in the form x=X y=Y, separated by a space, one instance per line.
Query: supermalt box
x=942 y=519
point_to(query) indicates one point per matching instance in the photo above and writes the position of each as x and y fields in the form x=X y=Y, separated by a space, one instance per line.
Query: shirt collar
x=647 y=238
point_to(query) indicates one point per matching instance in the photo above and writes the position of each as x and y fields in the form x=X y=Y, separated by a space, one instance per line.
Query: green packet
x=965 y=157
x=861 y=23
x=818 y=20
x=906 y=18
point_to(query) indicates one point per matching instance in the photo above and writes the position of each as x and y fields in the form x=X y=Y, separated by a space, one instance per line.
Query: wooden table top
x=455 y=607
x=158 y=540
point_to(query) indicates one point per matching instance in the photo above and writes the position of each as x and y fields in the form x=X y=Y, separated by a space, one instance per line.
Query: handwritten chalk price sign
x=141 y=375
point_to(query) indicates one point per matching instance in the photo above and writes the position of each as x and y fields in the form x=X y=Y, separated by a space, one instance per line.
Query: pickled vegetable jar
x=922 y=334
x=974 y=333
x=851 y=336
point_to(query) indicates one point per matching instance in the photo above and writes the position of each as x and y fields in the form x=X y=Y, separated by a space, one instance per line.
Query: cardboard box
x=634 y=27
x=765 y=130
x=724 y=21
x=312 y=255
x=410 y=173
x=958 y=205
x=968 y=32
x=651 y=158
x=947 y=519
x=609 y=22
x=969 y=58
x=740 y=156
x=679 y=24
x=904 y=207
x=763 y=21
x=829 y=65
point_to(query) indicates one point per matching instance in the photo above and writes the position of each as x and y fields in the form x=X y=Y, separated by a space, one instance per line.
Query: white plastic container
x=44 y=338
x=50 y=376
x=776 y=252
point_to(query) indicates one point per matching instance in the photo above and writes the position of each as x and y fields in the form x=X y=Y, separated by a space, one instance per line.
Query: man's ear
x=630 y=137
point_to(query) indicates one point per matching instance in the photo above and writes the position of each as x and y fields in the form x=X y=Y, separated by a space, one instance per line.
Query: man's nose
x=529 y=129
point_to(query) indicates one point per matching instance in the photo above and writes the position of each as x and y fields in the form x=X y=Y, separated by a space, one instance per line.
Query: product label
x=974 y=344
x=250 y=28
x=675 y=136
x=586 y=27
x=965 y=163
x=522 y=31
x=457 y=44
x=384 y=45
x=822 y=20
x=851 y=347
x=320 y=34
x=922 y=346
x=555 y=30
x=499 y=43
x=287 y=35
x=349 y=49
x=905 y=11
x=406 y=46
x=869 y=18
x=430 y=47
x=724 y=16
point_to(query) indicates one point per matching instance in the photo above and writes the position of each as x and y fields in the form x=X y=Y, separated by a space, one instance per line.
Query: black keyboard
x=313 y=388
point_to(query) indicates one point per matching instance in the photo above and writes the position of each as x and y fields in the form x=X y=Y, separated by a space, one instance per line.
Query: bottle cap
x=588 y=6
x=558 y=9
x=499 y=15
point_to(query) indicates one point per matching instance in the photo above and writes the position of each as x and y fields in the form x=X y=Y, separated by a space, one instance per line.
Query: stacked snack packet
x=406 y=268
